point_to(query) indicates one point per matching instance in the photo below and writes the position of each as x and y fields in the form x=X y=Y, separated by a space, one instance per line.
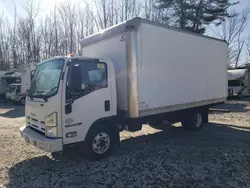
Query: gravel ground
x=216 y=156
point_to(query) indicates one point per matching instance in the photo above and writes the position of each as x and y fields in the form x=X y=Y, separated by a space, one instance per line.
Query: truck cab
x=67 y=96
x=238 y=82
x=12 y=91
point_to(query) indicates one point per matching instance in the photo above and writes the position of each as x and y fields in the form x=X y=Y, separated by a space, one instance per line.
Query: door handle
x=107 y=105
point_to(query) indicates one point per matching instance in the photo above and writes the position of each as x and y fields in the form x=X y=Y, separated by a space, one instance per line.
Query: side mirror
x=83 y=86
x=76 y=78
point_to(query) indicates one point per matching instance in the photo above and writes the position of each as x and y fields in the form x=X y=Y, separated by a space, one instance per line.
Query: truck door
x=91 y=102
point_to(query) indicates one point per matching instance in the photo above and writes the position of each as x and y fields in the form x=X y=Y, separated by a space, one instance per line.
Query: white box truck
x=134 y=73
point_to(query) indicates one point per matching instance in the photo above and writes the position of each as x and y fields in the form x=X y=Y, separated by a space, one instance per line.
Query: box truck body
x=131 y=74
x=160 y=68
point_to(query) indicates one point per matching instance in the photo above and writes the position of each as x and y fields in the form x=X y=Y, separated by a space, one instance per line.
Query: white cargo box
x=160 y=68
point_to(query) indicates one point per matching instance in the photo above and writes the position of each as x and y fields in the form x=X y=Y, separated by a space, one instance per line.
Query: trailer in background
x=238 y=82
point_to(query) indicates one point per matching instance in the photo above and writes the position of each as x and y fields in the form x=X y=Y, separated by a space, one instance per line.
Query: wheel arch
x=109 y=122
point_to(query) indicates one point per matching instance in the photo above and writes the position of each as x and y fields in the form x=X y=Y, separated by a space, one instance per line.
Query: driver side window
x=93 y=77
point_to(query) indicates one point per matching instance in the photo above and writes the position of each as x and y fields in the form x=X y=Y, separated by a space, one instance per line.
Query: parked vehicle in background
x=8 y=78
x=12 y=77
x=14 y=94
x=2 y=73
x=238 y=82
x=12 y=91
x=26 y=71
x=3 y=88
x=134 y=73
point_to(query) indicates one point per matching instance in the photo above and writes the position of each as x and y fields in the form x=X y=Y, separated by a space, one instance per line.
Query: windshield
x=11 y=88
x=45 y=81
x=234 y=83
x=12 y=80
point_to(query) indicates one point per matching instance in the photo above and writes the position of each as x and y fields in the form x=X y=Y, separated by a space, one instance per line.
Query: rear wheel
x=193 y=120
x=99 y=142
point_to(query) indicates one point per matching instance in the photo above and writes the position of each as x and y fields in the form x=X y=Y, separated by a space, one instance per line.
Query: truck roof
x=236 y=74
x=11 y=75
x=133 y=24
x=15 y=84
x=68 y=58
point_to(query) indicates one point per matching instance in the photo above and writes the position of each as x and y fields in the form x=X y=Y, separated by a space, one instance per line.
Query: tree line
x=33 y=38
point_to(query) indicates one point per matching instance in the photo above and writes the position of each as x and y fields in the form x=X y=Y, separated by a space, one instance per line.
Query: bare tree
x=106 y=13
x=231 y=31
x=32 y=9
x=151 y=12
x=247 y=50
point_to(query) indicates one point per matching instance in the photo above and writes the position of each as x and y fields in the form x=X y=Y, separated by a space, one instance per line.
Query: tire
x=205 y=116
x=193 y=120
x=99 y=142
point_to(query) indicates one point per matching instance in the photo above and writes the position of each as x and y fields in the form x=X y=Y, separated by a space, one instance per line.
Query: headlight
x=235 y=91
x=51 y=120
x=51 y=131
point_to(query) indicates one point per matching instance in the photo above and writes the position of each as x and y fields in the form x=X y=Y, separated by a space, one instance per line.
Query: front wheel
x=99 y=142
x=193 y=120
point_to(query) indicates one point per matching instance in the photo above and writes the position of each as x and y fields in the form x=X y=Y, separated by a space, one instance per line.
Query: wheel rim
x=101 y=143
x=198 y=120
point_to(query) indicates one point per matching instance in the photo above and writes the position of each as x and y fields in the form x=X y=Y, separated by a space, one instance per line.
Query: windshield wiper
x=40 y=96
x=52 y=89
x=46 y=94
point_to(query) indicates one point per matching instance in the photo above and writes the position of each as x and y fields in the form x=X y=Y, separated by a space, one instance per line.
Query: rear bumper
x=40 y=141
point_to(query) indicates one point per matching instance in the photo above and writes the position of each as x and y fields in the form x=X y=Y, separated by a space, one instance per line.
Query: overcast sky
x=6 y=7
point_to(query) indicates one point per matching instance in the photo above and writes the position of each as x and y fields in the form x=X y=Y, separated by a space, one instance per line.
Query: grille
x=42 y=133
x=36 y=124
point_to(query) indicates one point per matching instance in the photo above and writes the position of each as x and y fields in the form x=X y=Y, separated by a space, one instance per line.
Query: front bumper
x=232 y=94
x=233 y=91
x=40 y=141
